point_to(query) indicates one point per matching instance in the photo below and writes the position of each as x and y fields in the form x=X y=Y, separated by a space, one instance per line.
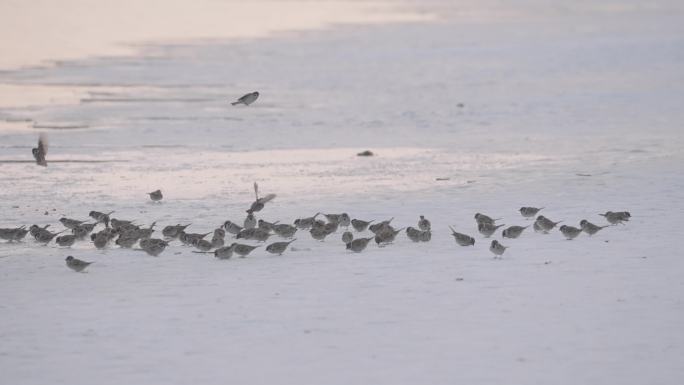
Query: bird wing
x=41 y=150
x=43 y=144
x=266 y=199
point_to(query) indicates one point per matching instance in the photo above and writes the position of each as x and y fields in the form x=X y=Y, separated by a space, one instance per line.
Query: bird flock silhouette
x=356 y=237
x=127 y=234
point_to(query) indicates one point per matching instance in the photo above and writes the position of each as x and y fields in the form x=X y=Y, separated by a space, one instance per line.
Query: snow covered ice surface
x=574 y=106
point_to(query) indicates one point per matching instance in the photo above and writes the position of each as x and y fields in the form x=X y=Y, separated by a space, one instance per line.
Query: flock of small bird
x=127 y=234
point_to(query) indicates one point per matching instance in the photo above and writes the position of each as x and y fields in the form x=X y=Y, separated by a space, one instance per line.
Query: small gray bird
x=202 y=244
x=318 y=233
x=66 y=240
x=546 y=224
x=424 y=224
x=232 y=228
x=340 y=219
x=70 y=223
x=497 y=248
x=257 y=234
x=359 y=244
x=12 y=235
x=242 y=250
x=147 y=233
x=513 y=231
x=268 y=226
x=45 y=236
x=218 y=239
x=35 y=229
x=187 y=238
x=462 y=239
x=18 y=234
x=305 y=223
x=345 y=220
x=153 y=246
x=81 y=231
x=387 y=236
x=360 y=225
x=100 y=240
x=127 y=240
x=259 y=203
x=529 y=212
x=250 y=221
x=174 y=231
x=118 y=224
x=284 y=230
x=570 y=232
x=332 y=218
x=225 y=252
x=279 y=247
x=331 y=227
x=247 y=99
x=347 y=237
x=382 y=226
x=318 y=224
x=481 y=218
x=101 y=217
x=247 y=233
x=40 y=152
x=76 y=264
x=5 y=234
x=413 y=234
x=488 y=229
x=156 y=195
x=591 y=228
x=615 y=218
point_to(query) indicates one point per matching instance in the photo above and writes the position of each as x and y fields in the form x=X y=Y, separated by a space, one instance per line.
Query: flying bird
x=40 y=152
x=259 y=203
x=247 y=99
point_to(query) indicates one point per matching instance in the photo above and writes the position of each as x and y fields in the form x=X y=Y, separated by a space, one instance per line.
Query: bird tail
x=235 y=103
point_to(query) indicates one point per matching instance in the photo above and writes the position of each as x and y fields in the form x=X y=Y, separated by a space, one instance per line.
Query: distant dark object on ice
x=156 y=195
x=365 y=153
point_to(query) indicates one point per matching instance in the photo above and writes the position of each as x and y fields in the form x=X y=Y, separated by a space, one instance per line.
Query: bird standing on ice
x=247 y=99
x=76 y=264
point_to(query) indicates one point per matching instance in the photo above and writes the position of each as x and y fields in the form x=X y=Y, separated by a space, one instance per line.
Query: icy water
x=469 y=107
